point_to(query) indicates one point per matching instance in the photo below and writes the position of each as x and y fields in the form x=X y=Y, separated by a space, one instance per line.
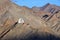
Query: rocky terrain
x=40 y=23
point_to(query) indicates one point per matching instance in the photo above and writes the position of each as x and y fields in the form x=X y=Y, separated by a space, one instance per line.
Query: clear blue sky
x=38 y=3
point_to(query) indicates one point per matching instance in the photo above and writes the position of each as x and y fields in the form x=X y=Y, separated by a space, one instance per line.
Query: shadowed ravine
x=35 y=37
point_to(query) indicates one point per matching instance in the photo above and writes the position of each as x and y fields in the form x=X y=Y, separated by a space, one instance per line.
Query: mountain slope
x=33 y=25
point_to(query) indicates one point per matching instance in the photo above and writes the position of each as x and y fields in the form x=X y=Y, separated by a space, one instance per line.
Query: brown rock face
x=50 y=14
x=38 y=24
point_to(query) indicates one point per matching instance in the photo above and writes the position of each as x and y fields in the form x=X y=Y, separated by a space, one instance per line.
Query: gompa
x=21 y=20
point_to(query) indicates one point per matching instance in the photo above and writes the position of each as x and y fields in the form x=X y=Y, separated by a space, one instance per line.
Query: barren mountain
x=36 y=24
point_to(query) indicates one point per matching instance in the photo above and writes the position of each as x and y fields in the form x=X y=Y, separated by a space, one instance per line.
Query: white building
x=21 y=20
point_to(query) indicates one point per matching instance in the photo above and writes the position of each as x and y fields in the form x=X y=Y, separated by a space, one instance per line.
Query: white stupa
x=21 y=20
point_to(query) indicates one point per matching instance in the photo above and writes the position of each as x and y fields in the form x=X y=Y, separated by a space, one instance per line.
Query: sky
x=38 y=3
